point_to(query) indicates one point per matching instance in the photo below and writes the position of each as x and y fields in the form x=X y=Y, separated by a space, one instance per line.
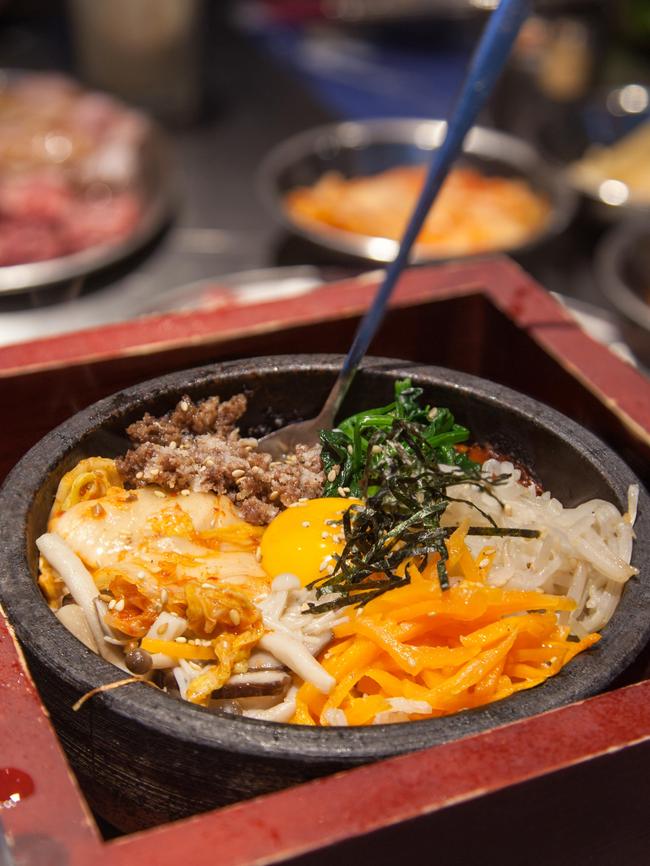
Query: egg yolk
x=300 y=539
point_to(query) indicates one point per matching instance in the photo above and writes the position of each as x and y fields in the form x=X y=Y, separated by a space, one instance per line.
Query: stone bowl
x=143 y=758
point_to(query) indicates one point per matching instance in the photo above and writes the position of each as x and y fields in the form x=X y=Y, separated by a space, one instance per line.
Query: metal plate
x=362 y=148
x=156 y=188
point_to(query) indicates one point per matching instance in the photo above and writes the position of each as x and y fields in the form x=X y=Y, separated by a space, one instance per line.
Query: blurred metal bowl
x=623 y=273
x=604 y=120
x=156 y=188
x=358 y=148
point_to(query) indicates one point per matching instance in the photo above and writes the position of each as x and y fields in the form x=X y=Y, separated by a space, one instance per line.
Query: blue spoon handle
x=486 y=64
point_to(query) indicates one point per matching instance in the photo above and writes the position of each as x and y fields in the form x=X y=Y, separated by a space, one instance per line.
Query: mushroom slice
x=261 y=661
x=254 y=684
x=74 y=619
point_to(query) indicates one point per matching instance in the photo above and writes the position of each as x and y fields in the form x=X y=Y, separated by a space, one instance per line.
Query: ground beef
x=197 y=447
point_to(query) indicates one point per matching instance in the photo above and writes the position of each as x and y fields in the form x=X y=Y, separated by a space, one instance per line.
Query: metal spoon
x=487 y=62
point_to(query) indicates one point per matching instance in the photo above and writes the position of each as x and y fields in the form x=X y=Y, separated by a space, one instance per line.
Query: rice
x=582 y=552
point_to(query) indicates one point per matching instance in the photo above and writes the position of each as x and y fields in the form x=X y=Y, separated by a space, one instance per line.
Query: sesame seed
x=306 y=524
x=162 y=628
x=183 y=405
x=181 y=639
x=208 y=461
x=238 y=473
x=120 y=605
x=173 y=445
x=139 y=474
x=376 y=449
x=350 y=449
x=326 y=560
x=484 y=563
x=235 y=618
x=111 y=604
x=185 y=492
x=342 y=492
x=258 y=554
x=274 y=496
x=164 y=596
x=154 y=472
x=159 y=494
x=325 y=535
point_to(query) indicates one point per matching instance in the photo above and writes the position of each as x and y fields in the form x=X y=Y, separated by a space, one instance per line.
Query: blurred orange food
x=474 y=212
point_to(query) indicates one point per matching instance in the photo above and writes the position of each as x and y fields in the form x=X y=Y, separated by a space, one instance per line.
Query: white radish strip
x=297 y=658
x=632 y=503
x=594 y=550
x=78 y=580
x=404 y=705
x=273 y=605
x=285 y=582
x=74 y=619
x=182 y=681
x=167 y=626
x=160 y=661
x=281 y=712
x=335 y=717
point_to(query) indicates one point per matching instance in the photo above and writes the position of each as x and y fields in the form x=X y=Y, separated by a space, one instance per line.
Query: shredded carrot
x=177 y=650
x=451 y=650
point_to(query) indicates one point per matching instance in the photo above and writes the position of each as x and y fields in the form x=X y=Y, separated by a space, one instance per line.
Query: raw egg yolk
x=300 y=539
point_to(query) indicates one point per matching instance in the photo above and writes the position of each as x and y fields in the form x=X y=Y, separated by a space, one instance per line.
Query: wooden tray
x=569 y=786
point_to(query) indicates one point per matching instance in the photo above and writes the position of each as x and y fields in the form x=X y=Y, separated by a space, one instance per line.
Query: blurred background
x=144 y=202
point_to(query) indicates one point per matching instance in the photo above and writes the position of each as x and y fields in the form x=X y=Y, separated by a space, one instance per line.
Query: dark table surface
x=220 y=226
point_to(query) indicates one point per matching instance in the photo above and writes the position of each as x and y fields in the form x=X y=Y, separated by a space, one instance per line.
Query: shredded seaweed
x=401 y=459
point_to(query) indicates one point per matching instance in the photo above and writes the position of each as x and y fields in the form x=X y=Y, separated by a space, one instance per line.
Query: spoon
x=487 y=62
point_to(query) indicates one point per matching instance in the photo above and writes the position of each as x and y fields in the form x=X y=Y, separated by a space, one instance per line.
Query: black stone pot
x=144 y=758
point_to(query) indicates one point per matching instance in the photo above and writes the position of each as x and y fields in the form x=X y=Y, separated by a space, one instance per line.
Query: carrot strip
x=177 y=650
x=360 y=711
x=302 y=716
x=462 y=648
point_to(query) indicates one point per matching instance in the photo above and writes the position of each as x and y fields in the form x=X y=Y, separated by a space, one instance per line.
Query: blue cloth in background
x=359 y=79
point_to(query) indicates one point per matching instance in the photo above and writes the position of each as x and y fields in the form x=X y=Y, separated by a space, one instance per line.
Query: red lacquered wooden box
x=570 y=786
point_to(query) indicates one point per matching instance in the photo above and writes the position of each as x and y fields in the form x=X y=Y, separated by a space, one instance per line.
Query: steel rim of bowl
x=610 y=256
x=599 y=206
x=159 y=199
x=481 y=142
x=196 y=727
x=607 y=211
